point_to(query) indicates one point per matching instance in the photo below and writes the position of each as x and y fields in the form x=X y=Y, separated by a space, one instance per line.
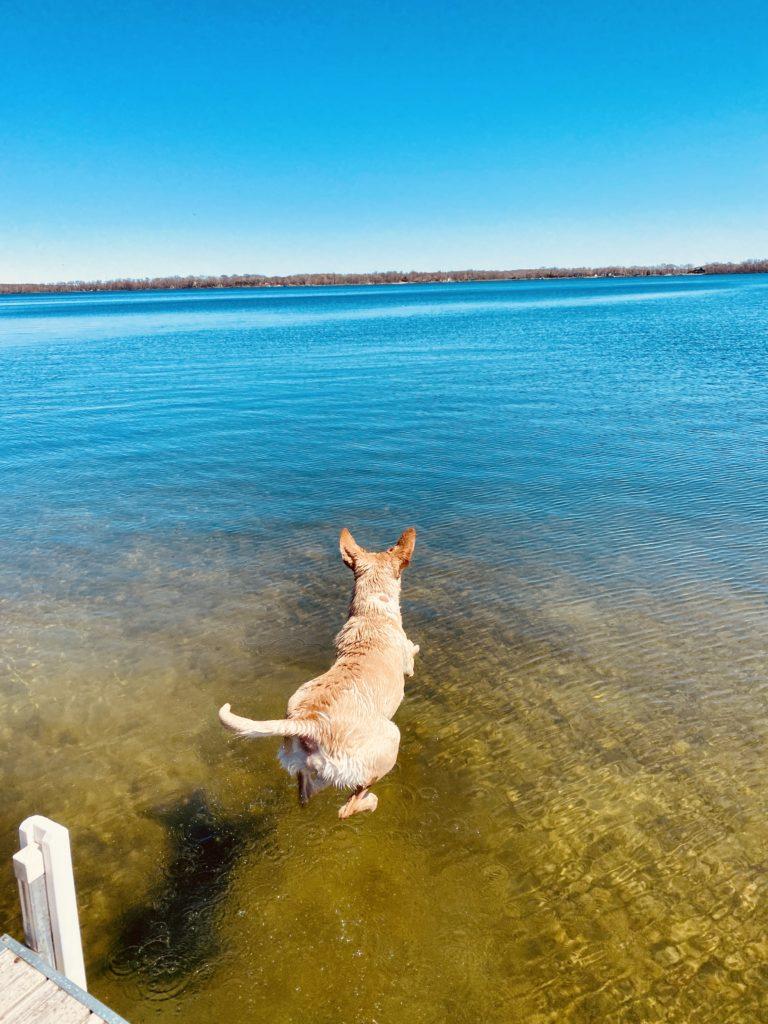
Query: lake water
x=577 y=827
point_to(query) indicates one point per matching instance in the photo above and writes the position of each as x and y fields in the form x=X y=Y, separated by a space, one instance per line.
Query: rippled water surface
x=578 y=824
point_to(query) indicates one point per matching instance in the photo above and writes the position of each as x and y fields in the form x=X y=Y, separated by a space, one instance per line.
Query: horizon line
x=380 y=277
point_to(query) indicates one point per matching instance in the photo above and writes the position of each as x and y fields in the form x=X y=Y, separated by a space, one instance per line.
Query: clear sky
x=223 y=137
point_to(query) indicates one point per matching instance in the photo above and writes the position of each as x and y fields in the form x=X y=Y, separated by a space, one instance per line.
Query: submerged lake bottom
x=576 y=827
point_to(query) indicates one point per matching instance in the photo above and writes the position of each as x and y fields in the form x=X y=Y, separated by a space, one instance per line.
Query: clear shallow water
x=576 y=830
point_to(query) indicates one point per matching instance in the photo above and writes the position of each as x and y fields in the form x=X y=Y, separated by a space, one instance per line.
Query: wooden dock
x=33 y=992
x=44 y=982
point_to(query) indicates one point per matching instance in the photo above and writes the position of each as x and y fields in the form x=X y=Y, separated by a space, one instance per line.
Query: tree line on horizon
x=192 y=281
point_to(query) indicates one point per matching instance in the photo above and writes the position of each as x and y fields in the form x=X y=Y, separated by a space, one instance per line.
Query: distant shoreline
x=192 y=282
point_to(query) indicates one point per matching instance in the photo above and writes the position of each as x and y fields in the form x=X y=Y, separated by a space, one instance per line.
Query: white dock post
x=30 y=873
x=48 y=841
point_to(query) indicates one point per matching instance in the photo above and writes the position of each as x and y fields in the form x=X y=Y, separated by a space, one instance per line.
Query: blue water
x=585 y=464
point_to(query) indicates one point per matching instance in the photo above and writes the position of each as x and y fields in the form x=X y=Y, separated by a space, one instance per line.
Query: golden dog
x=339 y=729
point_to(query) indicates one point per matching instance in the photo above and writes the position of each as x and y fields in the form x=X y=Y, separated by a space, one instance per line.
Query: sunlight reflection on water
x=137 y=321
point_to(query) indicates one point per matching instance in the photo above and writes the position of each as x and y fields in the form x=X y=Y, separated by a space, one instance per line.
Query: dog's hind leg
x=361 y=800
x=305 y=787
x=380 y=754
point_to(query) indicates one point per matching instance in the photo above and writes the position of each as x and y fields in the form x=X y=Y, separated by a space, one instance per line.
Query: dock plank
x=32 y=1006
x=57 y=1008
x=18 y=982
x=7 y=963
x=33 y=992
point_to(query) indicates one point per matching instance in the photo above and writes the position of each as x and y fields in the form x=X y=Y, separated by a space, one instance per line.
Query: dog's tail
x=247 y=727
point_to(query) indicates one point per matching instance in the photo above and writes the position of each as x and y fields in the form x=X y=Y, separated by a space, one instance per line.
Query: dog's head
x=393 y=560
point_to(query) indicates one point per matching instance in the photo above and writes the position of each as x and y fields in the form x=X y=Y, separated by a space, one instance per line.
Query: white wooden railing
x=43 y=868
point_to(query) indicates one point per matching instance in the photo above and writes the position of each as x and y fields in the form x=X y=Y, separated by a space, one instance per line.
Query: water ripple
x=575 y=830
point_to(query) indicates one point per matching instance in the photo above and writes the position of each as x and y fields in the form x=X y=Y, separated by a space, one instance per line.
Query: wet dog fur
x=338 y=730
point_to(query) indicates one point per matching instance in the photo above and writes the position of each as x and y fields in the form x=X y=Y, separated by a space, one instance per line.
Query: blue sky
x=149 y=138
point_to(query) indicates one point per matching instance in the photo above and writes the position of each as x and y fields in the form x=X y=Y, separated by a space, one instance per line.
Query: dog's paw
x=224 y=710
x=370 y=803
x=356 y=804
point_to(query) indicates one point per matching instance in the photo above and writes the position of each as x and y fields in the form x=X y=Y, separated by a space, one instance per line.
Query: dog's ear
x=403 y=550
x=349 y=548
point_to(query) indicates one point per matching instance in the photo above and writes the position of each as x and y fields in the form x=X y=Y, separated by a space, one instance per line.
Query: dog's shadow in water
x=172 y=936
